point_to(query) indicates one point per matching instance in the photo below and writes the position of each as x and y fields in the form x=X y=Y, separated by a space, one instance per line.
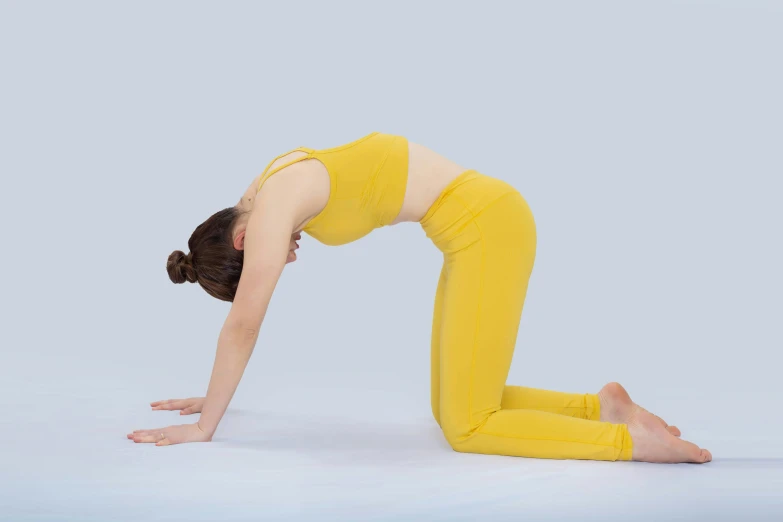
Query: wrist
x=206 y=432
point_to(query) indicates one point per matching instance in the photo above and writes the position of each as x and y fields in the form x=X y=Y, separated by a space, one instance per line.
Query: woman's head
x=214 y=260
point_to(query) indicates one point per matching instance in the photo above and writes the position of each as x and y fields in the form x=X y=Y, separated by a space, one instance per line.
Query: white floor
x=70 y=461
x=646 y=137
x=343 y=431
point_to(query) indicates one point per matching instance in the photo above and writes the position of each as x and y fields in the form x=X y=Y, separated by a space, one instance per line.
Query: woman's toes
x=707 y=454
x=692 y=452
x=671 y=429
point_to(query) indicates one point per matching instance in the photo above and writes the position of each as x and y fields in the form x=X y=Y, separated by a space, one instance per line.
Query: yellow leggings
x=487 y=234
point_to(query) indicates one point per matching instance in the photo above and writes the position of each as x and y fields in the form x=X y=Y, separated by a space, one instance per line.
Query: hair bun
x=180 y=268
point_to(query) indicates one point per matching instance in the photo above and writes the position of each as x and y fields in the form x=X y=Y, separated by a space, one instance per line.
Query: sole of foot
x=617 y=407
x=652 y=442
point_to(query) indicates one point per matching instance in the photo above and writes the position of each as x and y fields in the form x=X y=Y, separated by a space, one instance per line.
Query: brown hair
x=213 y=261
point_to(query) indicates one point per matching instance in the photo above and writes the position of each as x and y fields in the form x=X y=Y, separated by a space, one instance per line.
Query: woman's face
x=292 y=247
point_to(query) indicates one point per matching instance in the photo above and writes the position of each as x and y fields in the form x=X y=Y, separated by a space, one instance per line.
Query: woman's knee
x=456 y=435
x=452 y=435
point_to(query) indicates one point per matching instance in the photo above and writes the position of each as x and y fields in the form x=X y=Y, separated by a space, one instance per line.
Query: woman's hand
x=171 y=435
x=186 y=406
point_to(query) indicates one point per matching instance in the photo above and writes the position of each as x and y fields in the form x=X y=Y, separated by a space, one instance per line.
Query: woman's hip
x=475 y=206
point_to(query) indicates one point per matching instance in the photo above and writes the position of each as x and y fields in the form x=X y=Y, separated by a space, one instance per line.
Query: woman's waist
x=470 y=192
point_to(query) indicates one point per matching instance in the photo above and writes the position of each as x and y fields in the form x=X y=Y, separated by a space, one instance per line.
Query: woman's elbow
x=242 y=331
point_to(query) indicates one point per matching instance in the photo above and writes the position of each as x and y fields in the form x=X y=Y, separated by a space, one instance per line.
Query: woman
x=486 y=232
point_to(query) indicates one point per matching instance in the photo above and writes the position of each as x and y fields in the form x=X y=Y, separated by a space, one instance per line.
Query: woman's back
x=429 y=174
x=377 y=180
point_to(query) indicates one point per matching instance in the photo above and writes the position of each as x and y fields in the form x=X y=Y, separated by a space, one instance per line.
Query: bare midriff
x=428 y=174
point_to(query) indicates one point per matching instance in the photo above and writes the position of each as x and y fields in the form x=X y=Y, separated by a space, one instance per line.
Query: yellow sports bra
x=368 y=179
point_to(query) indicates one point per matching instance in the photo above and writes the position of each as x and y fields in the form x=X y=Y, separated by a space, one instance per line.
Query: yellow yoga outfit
x=487 y=234
x=368 y=178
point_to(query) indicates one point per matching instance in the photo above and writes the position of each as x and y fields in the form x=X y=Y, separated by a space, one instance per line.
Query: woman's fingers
x=147 y=436
x=141 y=432
x=192 y=404
x=187 y=411
x=171 y=435
x=170 y=404
x=161 y=403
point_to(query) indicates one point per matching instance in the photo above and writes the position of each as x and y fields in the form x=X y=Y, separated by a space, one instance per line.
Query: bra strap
x=266 y=175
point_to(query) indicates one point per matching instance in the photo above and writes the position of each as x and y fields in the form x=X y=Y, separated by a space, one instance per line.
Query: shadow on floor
x=333 y=439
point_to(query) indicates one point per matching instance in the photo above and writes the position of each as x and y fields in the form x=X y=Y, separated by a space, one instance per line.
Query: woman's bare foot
x=652 y=442
x=617 y=407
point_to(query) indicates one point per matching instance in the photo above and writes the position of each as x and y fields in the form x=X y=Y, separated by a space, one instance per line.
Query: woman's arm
x=266 y=245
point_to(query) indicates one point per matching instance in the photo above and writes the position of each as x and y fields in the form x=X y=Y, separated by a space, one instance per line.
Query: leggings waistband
x=461 y=201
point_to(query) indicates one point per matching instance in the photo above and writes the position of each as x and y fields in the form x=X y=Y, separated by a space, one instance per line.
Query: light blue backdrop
x=646 y=137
